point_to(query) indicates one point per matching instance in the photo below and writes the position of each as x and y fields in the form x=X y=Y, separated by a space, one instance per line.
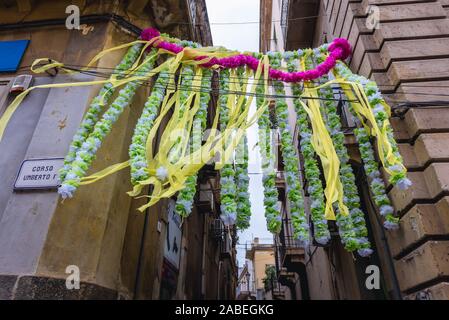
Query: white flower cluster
x=228 y=188
x=292 y=175
x=86 y=153
x=398 y=176
x=352 y=228
x=184 y=201
x=95 y=109
x=311 y=168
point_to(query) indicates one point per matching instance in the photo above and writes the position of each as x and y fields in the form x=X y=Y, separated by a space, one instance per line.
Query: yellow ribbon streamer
x=5 y=118
x=190 y=163
x=361 y=106
x=323 y=146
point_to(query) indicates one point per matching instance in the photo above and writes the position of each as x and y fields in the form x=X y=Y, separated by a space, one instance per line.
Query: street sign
x=172 y=249
x=39 y=174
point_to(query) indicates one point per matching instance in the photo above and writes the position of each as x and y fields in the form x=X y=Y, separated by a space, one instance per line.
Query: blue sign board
x=11 y=53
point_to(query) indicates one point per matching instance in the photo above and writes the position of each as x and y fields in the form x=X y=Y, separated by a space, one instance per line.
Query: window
x=5 y=84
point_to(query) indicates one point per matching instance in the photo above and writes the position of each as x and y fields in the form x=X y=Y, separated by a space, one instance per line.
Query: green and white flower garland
x=398 y=177
x=137 y=149
x=93 y=113
x=352 y=228
x=184 y=201
x=311 y=168
x=272 y=210
x=371 y=166
x=86 y=153
x=241 y=176
x=377 y=185
x=228 y=188
x=291 y=168
x=242 y=183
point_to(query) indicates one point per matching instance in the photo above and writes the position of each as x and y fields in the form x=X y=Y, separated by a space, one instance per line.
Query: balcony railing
x=288 y=248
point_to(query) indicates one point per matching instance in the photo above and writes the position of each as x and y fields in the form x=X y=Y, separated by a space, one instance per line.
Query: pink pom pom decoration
x=339 y=49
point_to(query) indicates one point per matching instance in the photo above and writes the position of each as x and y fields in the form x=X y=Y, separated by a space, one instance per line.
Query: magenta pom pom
x=149 y=33
x=339 y=49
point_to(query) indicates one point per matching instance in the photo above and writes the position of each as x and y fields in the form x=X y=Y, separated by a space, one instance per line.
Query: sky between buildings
x=243 y=37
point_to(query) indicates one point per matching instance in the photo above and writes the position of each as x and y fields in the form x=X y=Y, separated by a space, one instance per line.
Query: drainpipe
x=137 y=283
x=203 y=262
x=218 y=279
x=396 y=295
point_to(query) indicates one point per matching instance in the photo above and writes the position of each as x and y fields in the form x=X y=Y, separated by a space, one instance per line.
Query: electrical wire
x=251 y=81
x=249 y=22
x=273 y=96
x=200 y=88
x=77 y=68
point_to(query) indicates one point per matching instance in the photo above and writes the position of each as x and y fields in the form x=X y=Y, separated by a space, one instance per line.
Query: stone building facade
x=119 y=252
x=407 y=55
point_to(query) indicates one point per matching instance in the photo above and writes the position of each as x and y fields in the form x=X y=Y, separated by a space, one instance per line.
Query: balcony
x=290 y=259
x=208 y=198
x=286 y=278
x=290 y=252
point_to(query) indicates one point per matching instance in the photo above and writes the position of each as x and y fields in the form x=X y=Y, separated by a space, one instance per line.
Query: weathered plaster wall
x=99 y=230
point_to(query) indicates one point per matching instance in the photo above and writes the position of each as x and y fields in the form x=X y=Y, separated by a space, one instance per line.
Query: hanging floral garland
x=381 y=113
x=371 y=166
x=311 y=168
x=241 y=173
x=184 y=201
x=95 y=108
x=242 y=183
x=84 y=156
x=376 y=183
x=137 y=149
x=291 y=167
x=227 y=182
x=352 y=228
x=186 y=196
x=138 y=161
x=173 y=167
x=272 y=210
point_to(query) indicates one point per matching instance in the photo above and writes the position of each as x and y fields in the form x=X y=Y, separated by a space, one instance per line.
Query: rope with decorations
x=172 y=169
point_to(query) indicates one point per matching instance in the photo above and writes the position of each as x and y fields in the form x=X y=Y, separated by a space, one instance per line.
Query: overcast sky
x=243 y=37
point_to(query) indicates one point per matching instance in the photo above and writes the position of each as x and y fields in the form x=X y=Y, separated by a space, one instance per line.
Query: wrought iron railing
x=285 y=243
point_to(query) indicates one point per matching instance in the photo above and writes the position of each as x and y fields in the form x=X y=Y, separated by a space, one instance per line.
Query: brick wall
x=408 y=56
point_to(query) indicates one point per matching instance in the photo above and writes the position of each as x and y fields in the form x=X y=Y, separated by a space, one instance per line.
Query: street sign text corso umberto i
x=38 y=174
